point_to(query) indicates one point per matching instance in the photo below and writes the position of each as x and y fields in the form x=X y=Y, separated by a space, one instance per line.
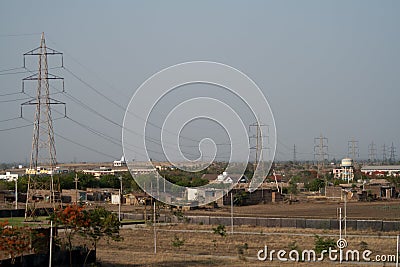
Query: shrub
x=178 y=242
x=323 y=243
x=220 y=230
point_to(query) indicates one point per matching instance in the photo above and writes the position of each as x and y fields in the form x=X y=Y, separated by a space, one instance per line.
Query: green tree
x=239 y=199
x=87 y=181
x=315 y=185
x=73 y=218
x=292 y=189
x=93 y=225
x=103 y=224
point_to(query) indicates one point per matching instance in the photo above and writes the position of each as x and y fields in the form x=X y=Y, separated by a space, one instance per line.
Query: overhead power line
x=11 y=119
x=14 y=128
x=8 y=94
x=11 y=69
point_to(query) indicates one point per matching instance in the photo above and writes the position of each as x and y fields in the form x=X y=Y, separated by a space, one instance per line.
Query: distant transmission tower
x=372 y=152
x=42 y=193
x=384 y=157
x=392 y=157
x=320 y=151
x=352 y=149
x=294 y=154
x=260 y=139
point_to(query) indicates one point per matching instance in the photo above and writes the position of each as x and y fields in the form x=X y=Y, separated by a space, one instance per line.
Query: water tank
x=347 y=162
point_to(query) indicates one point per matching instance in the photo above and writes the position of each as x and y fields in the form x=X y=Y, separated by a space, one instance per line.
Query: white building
x=388 y=170
x=9 y=177
x=224 y=178
x=119 y=163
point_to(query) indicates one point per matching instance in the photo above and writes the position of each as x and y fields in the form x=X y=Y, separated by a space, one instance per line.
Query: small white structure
x=224 y=178
x=192 y=194
x=119 y=163
x=99 y=172
x=115 y=199
x=9 y=177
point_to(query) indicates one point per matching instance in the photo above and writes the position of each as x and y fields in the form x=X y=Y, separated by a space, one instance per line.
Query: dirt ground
x=388 y=210
x=382 y=210
x=202 y=247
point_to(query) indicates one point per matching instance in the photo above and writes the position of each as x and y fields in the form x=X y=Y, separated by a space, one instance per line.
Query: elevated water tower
x=347 y=169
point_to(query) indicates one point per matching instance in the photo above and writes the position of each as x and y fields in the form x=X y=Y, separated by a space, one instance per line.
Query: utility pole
x=76 y=180
x=43 y=153
x=261 y=139
x=120 y=198
x=352 y=149
x=392 y=157
x=320 y=151
x=16 y=193
x=372 y=152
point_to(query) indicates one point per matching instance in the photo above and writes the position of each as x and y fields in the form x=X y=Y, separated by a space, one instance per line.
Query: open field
x=382 y=210
x=202 y=247
x=389 y=210
x=41 y=221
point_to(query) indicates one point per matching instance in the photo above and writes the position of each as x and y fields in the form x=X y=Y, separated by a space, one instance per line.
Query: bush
x=177 y=242
x=323 y=244
x=220 y=230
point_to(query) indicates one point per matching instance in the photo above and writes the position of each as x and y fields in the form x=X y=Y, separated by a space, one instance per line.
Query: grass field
x=41 y=221
x=200 y=246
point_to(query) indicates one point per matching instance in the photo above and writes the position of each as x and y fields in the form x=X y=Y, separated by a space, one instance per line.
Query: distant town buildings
x=9 y=177
x=383 y=170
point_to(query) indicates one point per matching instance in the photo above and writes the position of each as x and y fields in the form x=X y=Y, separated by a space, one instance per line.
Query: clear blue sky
x=329 y=67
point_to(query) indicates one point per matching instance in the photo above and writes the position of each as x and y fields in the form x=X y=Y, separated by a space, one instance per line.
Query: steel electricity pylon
x=42 y=192
x=260 y=138
x=320 y=152
x=352 y=149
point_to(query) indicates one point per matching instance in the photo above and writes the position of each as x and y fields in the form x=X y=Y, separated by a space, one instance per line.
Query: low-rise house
x=9 y=177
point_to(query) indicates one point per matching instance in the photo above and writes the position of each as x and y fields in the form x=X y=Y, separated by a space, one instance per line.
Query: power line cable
x=76 y=143
x=121 y=107
x=152 y=140
x=14 y=128
x=14 y=100
x=11 y=119
x=11 y=69
x=8 y=94
x=19 y=34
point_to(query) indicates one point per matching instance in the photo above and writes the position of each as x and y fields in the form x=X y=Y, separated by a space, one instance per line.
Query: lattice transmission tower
x=320 y=152
x=260 y=139
x=392 y=158
x=352 y=149
x=372 y=152
x=42 y=192
x=384 y=156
